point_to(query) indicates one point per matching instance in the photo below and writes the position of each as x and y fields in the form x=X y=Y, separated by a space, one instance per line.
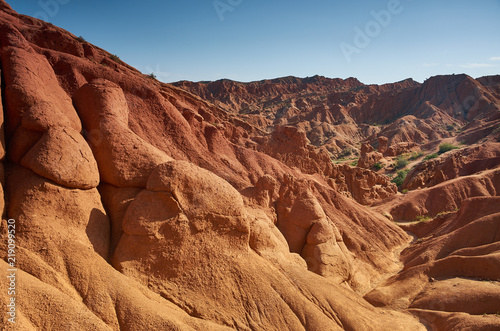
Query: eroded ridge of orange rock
x=148 y=206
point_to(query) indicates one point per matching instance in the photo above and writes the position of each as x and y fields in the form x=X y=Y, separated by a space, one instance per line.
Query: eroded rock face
x=454 y=164
x=143 y=207
x=124 y=158
x=63 y=156
x=363 y=185
x=311 y=233
x=33 y=96
x=368 y=157
x=455 y=245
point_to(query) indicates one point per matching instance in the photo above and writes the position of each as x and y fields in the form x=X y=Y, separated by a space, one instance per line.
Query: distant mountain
x=339 y=114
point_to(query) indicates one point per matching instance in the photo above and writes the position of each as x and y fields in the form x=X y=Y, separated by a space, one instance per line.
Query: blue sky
x=377 y=41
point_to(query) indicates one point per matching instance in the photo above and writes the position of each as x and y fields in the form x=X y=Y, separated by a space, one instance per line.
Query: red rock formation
x=339 y=114
x=368 y=157
x=443 y=197
x=462 y=162
x=141 y=206
x=131 y=200
x=401 y=148
x=443 y=277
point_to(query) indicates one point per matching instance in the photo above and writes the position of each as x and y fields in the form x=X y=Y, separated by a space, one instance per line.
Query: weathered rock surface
x=124 y=158
x=141 y=206
x=454 y=164
x=368 y=157
x=63 y=156
x=451 y=274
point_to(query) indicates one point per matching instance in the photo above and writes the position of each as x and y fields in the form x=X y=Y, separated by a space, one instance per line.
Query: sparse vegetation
x=431 y=156
x=152 y=75
x=354 y=164
x=346 y=152
x=115 y=58
x=447 y=212
x=423 y=218
x=401 y=162
x=400 y=178
x=446 y=147
x=450 y=127
x=377 y=166
x=415 y=155
x=81 y=39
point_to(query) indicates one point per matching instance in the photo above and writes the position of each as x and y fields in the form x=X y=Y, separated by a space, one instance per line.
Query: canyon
x=284 y=204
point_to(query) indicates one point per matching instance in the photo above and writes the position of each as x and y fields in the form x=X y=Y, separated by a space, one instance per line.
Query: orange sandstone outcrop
x=463 y=162
x=140 y=205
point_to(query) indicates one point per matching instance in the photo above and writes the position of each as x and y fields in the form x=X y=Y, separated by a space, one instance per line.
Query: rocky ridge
x=140 y=205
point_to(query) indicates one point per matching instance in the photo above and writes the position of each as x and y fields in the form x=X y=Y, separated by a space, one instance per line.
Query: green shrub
x=354 y=164
x=401 y=162
x=423 y=218
x=431 y=156
x=115 y=58
x=81 y=39
x=152 y=75
x=400 y=178
x=450 y=127
x=346 y=152
x=446 y=147
x=377 y=166
x=415 y=155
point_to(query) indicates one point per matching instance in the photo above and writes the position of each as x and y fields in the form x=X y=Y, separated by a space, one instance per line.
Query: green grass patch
x=423 y=218
x=400 y=178
x=446 y=147
x=415 y=155
x=431 y=156
x=401 y=162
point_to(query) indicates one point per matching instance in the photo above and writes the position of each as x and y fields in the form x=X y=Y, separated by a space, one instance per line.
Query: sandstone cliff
x=142 y=206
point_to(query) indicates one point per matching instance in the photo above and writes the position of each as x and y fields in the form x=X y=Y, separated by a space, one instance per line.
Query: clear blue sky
x=248 y=40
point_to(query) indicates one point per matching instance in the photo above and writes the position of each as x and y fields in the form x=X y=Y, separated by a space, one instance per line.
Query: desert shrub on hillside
x=415 y=155
x=401 y=162
x=400 y=178
x=446 y=147
x=431 y=156
x=346 y=152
